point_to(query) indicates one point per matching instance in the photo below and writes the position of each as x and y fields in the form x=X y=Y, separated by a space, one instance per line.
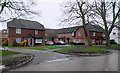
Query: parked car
x=62 y=43
x=59 y=43
x=79 y=43
x=49 y=43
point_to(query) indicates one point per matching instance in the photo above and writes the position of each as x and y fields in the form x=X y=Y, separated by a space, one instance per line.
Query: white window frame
x=73 y=34
x=66 y=34
x=93 y=41
x=18 y=31
x=93 y=33
x=79 y=40
x=74 y=40
x=79 y=34
x=45 y=34
x=103 y=34
x=38 y=40
x=36 y=32
x=18 y=40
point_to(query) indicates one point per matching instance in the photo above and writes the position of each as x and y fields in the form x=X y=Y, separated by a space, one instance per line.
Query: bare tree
x=108 y=13
x=10 y=9
x=78 y=12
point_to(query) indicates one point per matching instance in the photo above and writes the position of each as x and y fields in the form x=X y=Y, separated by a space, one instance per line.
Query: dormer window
x=18 y=31
x=36 y=32
x=93 y=33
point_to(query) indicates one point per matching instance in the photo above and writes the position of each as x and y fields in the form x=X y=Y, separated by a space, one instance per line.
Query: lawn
x=5 y=53
x=45 y=47
x=82 y=49
x=112 y=46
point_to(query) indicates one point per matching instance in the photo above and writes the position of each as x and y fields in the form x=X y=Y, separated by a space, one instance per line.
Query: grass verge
x=5 y=53
x=112 y=46
x=45 y=47
x=82 y=49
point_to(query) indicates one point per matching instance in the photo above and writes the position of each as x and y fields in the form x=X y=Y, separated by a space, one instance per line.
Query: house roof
x=27 y=24
x=50 y=30
x=67 y=30
x=95 y=28
x=89 y=27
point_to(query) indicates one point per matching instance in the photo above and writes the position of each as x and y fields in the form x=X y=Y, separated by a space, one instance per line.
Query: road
x=50 y=61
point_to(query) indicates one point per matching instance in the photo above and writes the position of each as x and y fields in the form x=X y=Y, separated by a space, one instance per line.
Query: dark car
x=59 y=43
x=49 y=43
x=79 y=43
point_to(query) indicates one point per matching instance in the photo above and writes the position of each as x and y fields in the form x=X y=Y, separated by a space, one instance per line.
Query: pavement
x=51 y=61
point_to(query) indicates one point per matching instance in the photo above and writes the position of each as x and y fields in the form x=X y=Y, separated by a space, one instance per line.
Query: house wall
x=82 y=37
x=12 y=35
x=97 y=34
x=115 y=35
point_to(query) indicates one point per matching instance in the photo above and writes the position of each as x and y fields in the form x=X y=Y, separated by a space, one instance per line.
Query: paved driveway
x=50 y=61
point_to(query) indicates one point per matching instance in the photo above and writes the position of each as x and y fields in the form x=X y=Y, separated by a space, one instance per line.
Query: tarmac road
x=50 y=61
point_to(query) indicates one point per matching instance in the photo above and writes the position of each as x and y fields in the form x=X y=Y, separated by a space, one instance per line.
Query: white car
x=49 y=43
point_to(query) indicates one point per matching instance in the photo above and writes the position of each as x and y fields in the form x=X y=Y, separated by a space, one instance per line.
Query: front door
x=31 y=41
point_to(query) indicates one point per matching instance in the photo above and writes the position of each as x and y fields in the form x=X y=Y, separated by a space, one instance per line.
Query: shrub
x=71 y=42
x=23 y=42
x=15 y=43
x=112 y=42
x=5 y=43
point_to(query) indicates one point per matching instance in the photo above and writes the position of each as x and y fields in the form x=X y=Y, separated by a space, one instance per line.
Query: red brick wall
x=82 y=37
x=97 y=34
x=12 y=34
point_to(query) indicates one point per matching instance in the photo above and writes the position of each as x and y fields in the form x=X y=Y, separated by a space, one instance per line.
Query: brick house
x=50 y=35
x=74 y=34
x=20 y=30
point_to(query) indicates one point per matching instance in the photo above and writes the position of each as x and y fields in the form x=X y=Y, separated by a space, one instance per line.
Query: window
x=66 y=34
x=93 y=33
x=18 y=31
x=74 y=40
x=4 y=31
x=93 y=41
x=72 y=33
x=45 y=34
x=79 y=40
x=38 y=40
x=79 y=33
x=114 y=33
x=36 y=32
x=103 y=34
x=18 y=40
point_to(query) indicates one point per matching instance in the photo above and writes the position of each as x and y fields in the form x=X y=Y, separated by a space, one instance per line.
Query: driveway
x=51 y=61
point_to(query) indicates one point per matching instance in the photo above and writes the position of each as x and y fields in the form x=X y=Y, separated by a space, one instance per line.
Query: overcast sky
x=50 y=13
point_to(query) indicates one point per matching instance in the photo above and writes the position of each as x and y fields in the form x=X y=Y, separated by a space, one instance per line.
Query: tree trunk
x=107 y=40
x=87 y=36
